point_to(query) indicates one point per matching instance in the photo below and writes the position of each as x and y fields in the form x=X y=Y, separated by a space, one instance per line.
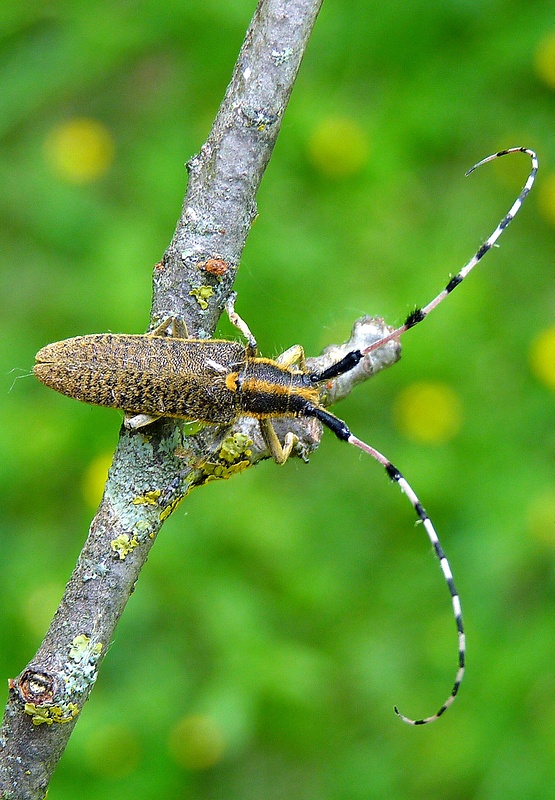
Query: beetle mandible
x=215 y=381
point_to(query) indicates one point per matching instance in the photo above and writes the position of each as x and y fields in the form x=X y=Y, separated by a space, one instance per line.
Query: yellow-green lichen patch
x=50 y=715
x=80 y=647
x=201 y=295
x=233 y=458
x=234 y=447
x=147 y=499
x=170 y=508
x=123 y=545
x=216 y=472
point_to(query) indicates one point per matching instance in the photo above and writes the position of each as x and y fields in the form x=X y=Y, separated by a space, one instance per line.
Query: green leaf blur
x=283 y=613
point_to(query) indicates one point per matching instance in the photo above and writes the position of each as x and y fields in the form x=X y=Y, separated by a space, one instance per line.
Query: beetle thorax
x=268 y=389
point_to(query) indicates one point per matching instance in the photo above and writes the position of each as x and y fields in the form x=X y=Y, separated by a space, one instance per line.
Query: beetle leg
x=279 y=452
x=134 y=421
x=241 y=325
x=179 y=328
x=294 y=355
x=161 y=329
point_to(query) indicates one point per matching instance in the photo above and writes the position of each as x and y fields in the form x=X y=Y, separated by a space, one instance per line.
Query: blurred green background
x=283 y=613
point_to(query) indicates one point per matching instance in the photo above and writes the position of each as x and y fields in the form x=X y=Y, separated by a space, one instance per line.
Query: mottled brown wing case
x=145 y=374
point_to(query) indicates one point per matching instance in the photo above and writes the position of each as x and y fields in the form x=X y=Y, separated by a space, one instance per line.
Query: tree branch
x=154 y=468
x=224 y=177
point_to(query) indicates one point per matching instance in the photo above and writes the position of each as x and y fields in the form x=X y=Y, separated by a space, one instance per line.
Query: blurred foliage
x=283 y=613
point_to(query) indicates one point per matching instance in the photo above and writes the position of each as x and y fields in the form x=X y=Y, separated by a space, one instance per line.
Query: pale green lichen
x=123 y=545
x=201 y=295
x=79 y=673
x=80 y=669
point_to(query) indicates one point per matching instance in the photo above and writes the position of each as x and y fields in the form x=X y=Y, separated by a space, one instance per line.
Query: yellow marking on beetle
x=285 y=369
x=231 y=381
x=257 y=386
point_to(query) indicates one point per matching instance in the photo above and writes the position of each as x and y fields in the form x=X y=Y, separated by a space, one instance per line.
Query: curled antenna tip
x=403 y=718
x=506 y=152
x=414 y=722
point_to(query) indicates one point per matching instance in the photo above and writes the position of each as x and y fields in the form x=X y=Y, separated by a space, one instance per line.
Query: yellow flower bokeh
x=546 y=198
x=541 y=518
x=113 y=750
x=338 y=147
x=80 y=150
x=94 y=479
x=196 y=742
x=428 y=411
x=542 y=357
x=544 y=60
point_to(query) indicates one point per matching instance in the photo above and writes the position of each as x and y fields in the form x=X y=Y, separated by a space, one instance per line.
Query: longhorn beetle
x=216 y=381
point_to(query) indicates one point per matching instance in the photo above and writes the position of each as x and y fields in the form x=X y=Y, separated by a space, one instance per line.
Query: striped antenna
x=342 y=432
x=405 y=487
x=420 y=314
x=415 y=317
